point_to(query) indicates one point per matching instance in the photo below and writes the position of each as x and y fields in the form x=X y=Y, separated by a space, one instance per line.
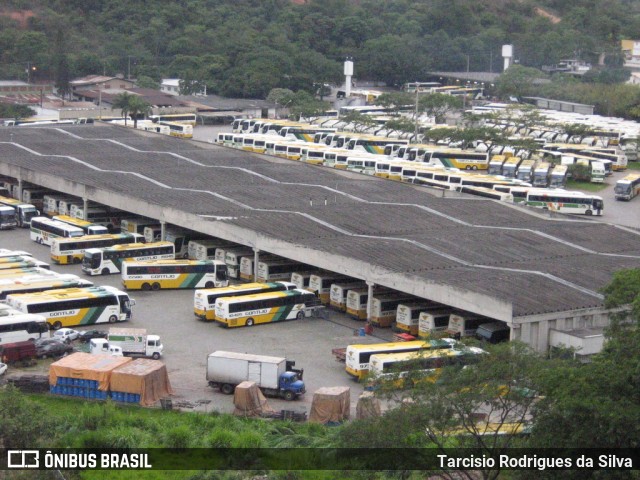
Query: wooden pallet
x=340 y=354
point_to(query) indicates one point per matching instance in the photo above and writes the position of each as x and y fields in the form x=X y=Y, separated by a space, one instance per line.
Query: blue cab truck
x=275 y=376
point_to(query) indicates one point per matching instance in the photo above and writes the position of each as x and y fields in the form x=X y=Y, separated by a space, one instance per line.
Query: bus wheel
x=588 y=212
x=468 y=167
x=300 y=315
x=208 y=285
x=105 y=271
x=226 y=388
x=155 y=286
x=474 y=167
x=76 y=260
x=57 y=325
x=113 y=319
x=249 y=322
x=146 y=286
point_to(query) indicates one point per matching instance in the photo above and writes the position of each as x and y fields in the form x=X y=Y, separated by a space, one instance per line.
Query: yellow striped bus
x=40 y=284
x=65 y=251
x=76 y=306
x=43 y=230
x=407 y=369
x=248 y=310
x=185 y=118
x=102 y=261
x=373 y=144
x=173 y=274
x=204 y=300
x=359 y=355
x=87 y=227
x=21 y=262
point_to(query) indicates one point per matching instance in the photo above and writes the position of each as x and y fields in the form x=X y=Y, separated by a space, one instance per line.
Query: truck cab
x=290 y=385
x=101 y=346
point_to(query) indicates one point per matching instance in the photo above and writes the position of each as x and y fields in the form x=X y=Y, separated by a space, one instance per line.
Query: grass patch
x=633 y=165
x=586 y=186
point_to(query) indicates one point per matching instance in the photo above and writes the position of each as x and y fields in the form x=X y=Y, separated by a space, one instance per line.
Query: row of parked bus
x=36 y=299
x=430 y=165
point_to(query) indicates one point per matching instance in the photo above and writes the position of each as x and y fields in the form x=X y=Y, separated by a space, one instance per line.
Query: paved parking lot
x=188 y=341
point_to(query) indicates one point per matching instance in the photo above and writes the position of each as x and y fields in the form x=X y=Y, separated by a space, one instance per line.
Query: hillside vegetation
x=244 y=48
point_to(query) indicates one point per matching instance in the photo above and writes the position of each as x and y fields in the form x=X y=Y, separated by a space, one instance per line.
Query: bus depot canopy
x=86 y=366
x=145 y=377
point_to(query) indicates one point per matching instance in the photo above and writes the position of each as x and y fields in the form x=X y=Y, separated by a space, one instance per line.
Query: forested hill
x=245 y=48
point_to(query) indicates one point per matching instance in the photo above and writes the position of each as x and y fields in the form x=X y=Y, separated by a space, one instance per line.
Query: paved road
x=188 y=341
x=620 y=213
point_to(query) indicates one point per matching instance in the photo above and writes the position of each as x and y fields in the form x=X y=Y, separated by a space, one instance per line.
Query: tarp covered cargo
x=368 y=406
x=249 y=400
x=145 y=377
x=86 y=366
x=330 y=405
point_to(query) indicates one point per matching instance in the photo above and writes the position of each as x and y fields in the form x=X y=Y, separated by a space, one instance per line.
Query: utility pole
x=415 y=134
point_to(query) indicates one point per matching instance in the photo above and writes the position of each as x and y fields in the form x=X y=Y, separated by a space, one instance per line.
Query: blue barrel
x=361 y=332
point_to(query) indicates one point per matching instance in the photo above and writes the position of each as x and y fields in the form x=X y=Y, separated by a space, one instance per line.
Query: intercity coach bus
x=164 y=274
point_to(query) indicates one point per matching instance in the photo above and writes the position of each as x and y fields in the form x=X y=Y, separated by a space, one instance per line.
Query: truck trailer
x=275 y=376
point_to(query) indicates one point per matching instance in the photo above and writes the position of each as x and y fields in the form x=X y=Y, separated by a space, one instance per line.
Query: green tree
x=62 y=73
x=597 y=405
x=16 y=112
x=132 y=106
x=437 y=105
x=22 y=422
x=483 y=406
x=144 y=81
x=138 y=107
x=517 y=81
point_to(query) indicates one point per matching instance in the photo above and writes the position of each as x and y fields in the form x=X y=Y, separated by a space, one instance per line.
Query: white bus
x=186 y=118
x=87 y=227
x=338 y=293
x=102 y=261
x=173 y=274
x=76 y=306
x=248 y=310
x=432 y=323
x=272 y=270
x=71 y=250
x=407 y=369
x=358 y=356
x=233 y=258
x=566 y=202
x=206 y=249
x=136 y=224
x=204 y=300
x=21 y=327
x=408 y=315
x=384 y=308
x=44 y=230
x=320 y=284
x=247 y=271
x=40 y=284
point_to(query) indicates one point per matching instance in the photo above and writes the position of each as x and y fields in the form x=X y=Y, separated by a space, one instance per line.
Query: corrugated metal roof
x=539 y=264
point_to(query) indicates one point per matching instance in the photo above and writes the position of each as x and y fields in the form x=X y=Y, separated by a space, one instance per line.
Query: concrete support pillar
x=163 y=230
x=85 y=207
x=370 y=286
x=256 y=259
x=19 y=189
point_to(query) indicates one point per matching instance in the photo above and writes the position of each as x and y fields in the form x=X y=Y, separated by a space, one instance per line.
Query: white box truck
x=129 y=341
x=275 y=376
